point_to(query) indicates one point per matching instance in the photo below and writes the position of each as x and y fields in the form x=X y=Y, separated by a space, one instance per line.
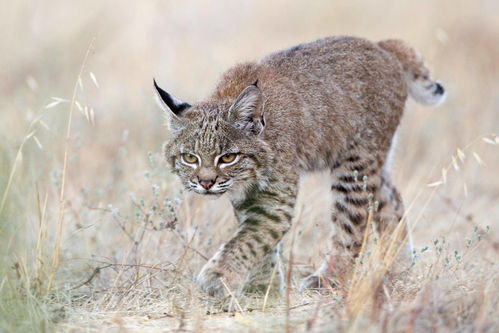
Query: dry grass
x=96 y=235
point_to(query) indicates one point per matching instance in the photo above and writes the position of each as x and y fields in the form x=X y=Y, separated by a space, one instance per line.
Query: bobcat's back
x=324 y=95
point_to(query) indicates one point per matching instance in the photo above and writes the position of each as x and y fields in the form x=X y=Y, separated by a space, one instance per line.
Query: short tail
x=421 y=87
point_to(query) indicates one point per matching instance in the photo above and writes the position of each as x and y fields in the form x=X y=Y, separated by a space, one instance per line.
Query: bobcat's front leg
x=264 y=217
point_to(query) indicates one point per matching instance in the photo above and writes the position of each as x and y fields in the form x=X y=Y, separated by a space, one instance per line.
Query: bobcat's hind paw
x=318 y=281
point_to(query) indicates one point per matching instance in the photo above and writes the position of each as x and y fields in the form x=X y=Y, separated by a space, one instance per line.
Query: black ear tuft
x=174 y=104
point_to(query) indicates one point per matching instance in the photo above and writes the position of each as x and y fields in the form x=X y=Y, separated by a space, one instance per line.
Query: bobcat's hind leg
x=356 y=182
x=390 y=213
x=360 y=186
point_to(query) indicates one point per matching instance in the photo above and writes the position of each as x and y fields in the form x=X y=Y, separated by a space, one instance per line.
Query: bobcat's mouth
x=210 y=194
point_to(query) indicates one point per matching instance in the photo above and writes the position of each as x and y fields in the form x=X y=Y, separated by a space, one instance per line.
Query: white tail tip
x=427 y=92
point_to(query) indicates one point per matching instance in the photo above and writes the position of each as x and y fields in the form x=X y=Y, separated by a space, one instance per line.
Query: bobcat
x=334 y=104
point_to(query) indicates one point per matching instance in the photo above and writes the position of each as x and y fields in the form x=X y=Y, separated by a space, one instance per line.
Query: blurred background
x=120 y=201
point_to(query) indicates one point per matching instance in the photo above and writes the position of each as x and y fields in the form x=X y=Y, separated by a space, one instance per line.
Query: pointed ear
x=247 y=111
x=168 y=101
x=173 y=108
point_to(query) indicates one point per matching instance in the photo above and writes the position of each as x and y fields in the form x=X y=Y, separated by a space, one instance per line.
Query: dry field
x=97 y=236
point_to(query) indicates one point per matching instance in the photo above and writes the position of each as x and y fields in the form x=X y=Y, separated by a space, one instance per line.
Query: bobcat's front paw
x=212 y=278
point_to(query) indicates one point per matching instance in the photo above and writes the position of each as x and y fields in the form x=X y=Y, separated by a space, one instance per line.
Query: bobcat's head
x=217 y=146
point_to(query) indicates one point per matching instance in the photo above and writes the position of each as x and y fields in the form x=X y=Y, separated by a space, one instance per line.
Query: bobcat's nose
x=207 y=183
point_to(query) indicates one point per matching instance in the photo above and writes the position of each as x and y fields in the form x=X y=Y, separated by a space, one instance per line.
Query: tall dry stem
x=62 y=203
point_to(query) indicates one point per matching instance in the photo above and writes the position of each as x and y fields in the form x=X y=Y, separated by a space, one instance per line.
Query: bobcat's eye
x=189 y=158
x=228 y=158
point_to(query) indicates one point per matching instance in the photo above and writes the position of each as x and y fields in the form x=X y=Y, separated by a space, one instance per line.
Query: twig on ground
x=240 y=309
x=267 y=292
x=92 y=276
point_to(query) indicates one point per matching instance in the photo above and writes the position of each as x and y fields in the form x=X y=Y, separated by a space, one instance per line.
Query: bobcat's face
x=217 y=148
x=211 y=156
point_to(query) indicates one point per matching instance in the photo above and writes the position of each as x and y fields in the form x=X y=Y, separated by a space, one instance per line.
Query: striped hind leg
x=361 y=188
x=356 y=183
x=389 y=213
